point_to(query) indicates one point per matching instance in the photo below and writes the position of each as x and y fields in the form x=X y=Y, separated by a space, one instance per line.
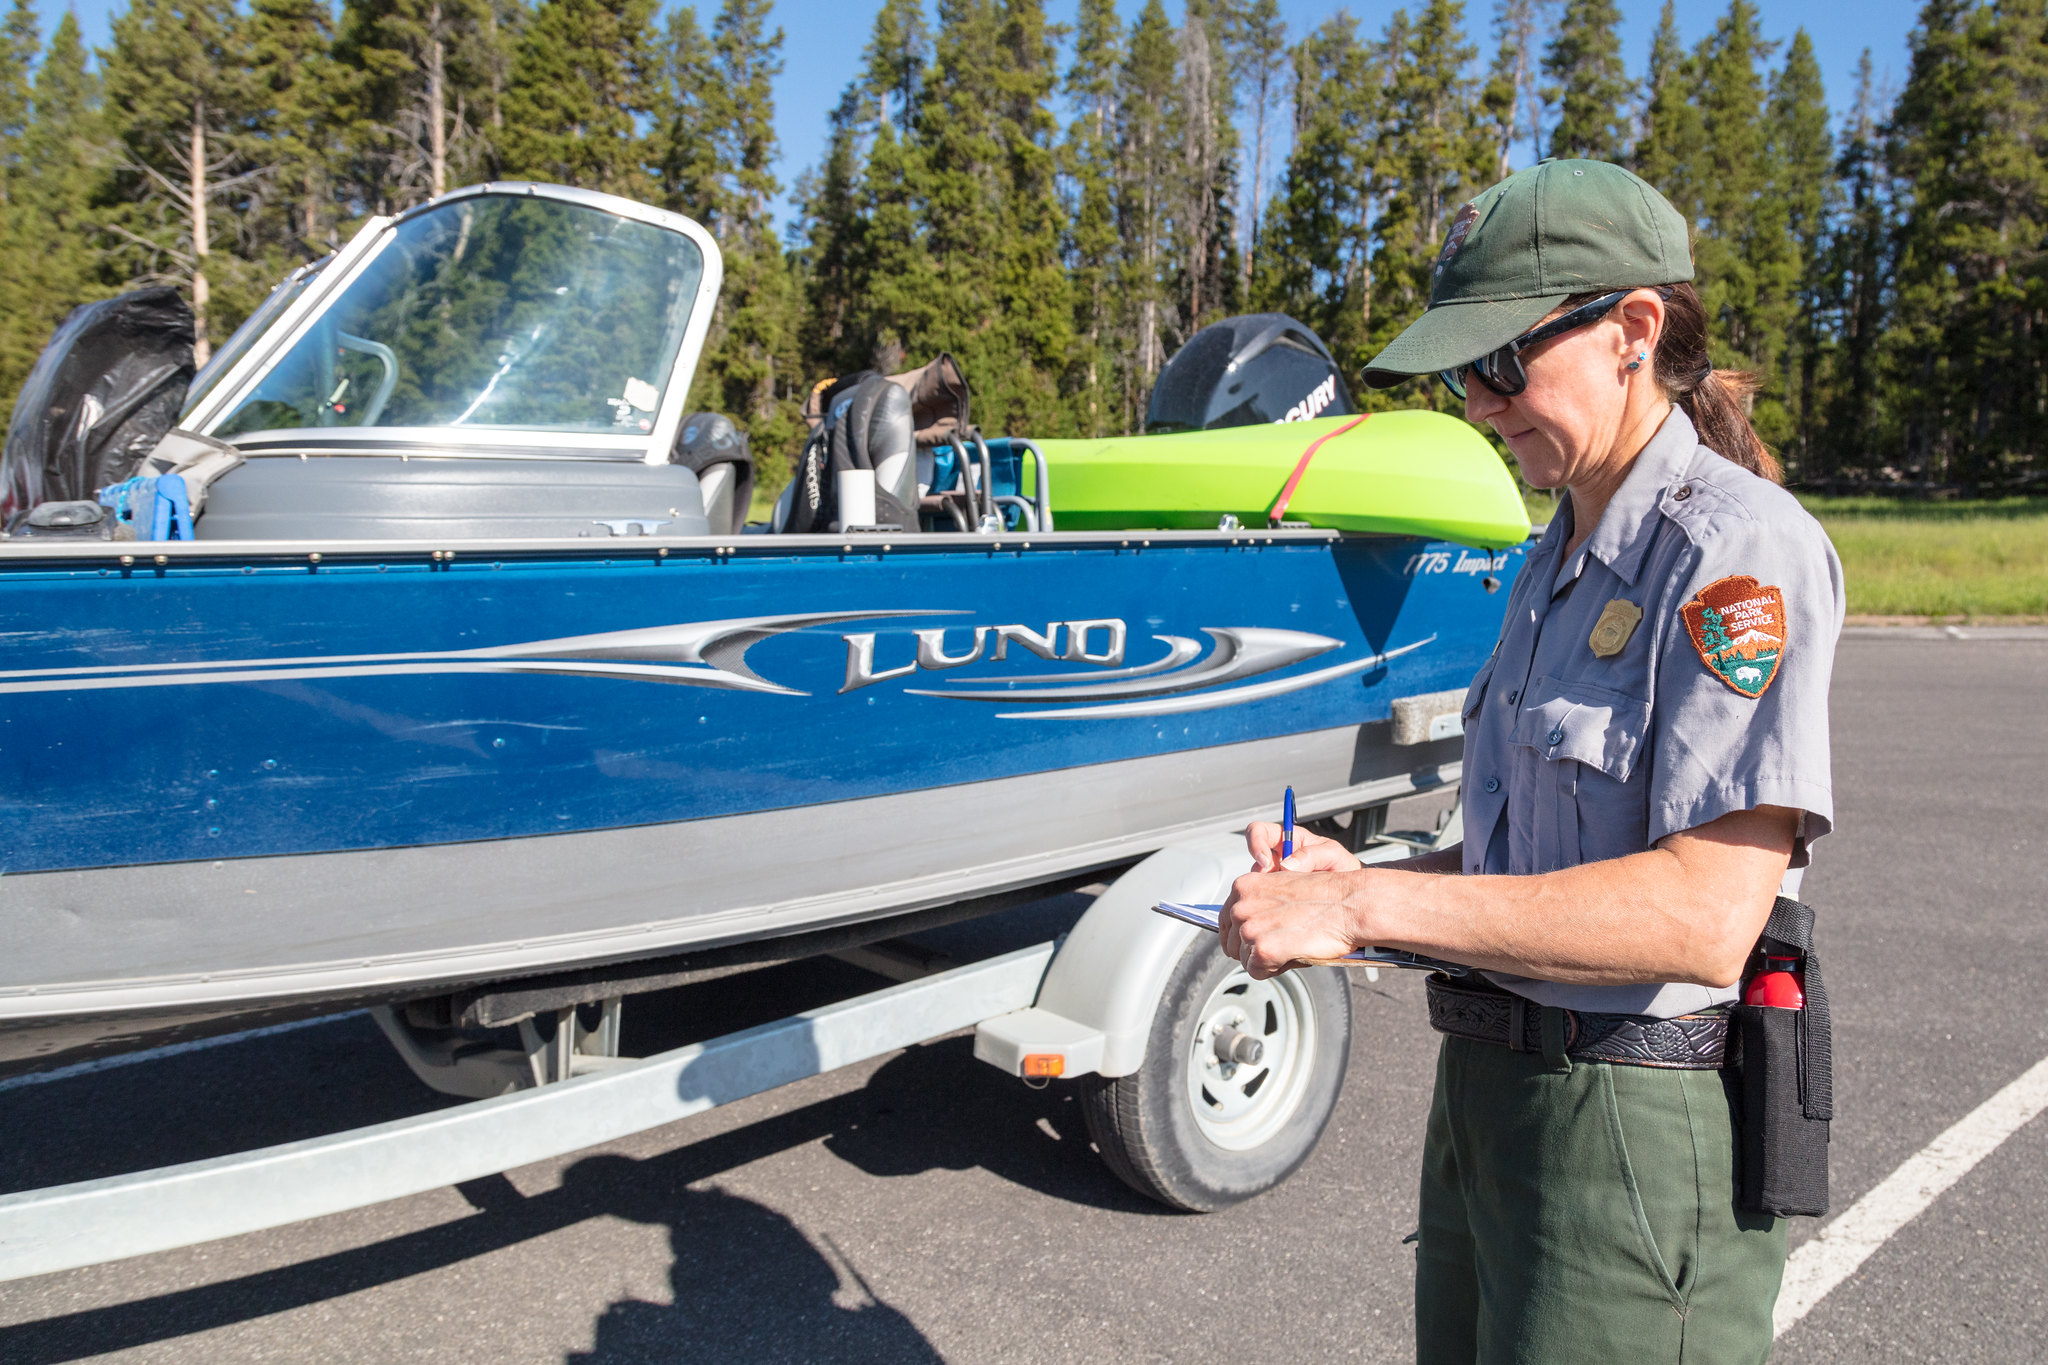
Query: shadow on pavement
x=746 y=1279
x=749 y=1286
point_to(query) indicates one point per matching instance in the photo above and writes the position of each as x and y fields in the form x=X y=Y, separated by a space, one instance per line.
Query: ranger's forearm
x=1618 y=922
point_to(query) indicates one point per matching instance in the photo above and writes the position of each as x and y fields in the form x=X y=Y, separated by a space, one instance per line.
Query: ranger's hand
x=1277 y=920
x=1312 y=852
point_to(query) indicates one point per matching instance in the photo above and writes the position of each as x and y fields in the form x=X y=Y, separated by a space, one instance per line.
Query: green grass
x=1959 y=559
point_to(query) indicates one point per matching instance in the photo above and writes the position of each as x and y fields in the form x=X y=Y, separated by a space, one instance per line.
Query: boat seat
x=381 y=497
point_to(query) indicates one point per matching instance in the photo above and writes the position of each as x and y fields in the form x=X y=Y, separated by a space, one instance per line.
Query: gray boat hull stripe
x=124 y=941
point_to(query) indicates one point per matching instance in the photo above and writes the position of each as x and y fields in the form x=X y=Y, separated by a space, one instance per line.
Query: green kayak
x=1397 y=473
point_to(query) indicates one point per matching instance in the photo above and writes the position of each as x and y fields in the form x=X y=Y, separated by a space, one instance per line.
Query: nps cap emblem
x=1461 y=228
x=1738 y=626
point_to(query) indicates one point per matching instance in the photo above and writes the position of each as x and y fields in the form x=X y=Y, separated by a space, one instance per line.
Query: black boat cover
x=103 y=393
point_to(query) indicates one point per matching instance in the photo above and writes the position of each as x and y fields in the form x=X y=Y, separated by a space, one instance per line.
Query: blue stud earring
x=1637 y=363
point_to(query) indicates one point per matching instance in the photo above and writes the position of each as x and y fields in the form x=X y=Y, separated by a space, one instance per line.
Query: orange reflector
x=1039 y=1064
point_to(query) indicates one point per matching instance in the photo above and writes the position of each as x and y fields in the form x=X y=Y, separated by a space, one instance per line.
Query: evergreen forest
x=1062 y=206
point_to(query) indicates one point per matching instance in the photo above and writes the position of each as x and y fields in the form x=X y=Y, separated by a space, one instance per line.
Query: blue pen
x=1287 y=825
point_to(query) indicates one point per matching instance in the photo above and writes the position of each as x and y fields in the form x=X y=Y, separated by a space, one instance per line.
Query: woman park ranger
x=1646 y=756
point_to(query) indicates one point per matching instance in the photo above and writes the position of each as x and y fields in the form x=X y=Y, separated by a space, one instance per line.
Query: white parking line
x=1844 y=1244
x=65 y=1073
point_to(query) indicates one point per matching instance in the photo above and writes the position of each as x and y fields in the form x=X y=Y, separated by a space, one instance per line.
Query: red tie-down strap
x=1294 y=480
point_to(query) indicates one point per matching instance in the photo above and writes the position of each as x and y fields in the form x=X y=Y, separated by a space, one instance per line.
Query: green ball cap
x=1525 y=246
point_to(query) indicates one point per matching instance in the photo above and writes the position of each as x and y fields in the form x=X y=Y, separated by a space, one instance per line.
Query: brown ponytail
x=1717 y=401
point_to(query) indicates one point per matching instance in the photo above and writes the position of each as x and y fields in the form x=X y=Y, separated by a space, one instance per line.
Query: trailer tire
x=1199 y=1134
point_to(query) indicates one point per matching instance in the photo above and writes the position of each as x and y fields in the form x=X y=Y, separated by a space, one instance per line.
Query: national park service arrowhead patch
x=1738 y=626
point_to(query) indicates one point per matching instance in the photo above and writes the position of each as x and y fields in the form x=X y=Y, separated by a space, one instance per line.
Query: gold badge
x=1616 y=624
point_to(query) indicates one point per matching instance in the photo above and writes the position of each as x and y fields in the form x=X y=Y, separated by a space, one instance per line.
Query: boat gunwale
x=149 y=554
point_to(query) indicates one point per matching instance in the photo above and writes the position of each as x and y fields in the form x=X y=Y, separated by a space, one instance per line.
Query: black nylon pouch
x=1786 y=1057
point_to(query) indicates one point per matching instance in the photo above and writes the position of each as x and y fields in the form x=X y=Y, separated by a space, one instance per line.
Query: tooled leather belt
x=1691 y=1042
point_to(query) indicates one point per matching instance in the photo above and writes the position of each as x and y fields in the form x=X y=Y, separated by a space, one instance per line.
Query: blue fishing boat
x=469 y=672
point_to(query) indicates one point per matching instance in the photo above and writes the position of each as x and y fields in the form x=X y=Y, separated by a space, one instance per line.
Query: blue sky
x=823 y=43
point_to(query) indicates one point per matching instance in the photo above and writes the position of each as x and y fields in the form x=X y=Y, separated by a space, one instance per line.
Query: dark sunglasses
x=1502 y=370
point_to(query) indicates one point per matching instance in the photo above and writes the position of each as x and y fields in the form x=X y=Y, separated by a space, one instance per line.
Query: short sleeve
x=1740 y=711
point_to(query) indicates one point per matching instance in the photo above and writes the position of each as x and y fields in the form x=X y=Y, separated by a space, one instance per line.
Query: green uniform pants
x=1584 y=1212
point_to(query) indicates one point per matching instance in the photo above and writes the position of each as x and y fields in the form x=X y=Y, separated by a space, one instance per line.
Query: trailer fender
x=1094 y=1009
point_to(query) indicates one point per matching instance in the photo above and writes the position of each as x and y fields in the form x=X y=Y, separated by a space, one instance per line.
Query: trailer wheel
x=1240 y=1078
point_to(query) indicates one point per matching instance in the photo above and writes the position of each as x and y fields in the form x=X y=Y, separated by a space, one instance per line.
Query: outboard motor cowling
x=1244 y=371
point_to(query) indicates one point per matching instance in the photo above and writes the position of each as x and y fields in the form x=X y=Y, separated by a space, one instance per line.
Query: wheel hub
x=1248 y=1063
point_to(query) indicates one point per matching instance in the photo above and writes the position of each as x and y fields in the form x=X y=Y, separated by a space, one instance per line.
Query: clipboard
x=1206 y=916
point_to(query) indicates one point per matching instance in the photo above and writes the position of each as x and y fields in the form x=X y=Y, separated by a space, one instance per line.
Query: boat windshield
x=493 y=311
x=251 y=331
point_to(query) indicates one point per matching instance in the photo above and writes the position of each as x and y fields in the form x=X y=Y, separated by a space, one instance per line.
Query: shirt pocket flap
x=1586 y=723
x=1476 y=693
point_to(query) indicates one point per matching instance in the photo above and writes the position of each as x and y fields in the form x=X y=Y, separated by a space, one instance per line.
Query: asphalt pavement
x=924 y=1207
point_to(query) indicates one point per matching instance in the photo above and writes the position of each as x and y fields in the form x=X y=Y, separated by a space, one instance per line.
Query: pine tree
x=1936 y=117
x=899 y=303
x=1669 y=148
x=1713 y=633
x=896 y=58
x=1511 y=98
x=872 y=286
x=1147 y=136
x=1500 y=95
x=1963 y=146
x=1858 y=274
x=1801 y=154
x=66 y=156
x=1316 y=268
x=1206 y=283
x=479 y=70
x=962 y=149
x=1740 y=259
x=1032 y=299
x=1088 y=161
x=685 y=151
x=408 y=100
x=751 y=367
x=20 y=44
x=830 y=232
x=1442 y=157
x=1259 y=57
x=1592 y=87
x=297 y=90
x=24 y=234
x=582 y=80
x=178 y=75
x=896 y=301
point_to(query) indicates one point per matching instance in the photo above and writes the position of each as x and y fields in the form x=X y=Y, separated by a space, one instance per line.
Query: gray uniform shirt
x=1716 y=702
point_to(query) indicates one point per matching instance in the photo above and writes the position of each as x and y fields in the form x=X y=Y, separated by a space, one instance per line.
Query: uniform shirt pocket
x=1476 y=693
x=1584 y=722
x=1574 y=746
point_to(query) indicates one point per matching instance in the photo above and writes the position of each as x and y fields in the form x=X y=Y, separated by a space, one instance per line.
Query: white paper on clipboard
x=1206 y=916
